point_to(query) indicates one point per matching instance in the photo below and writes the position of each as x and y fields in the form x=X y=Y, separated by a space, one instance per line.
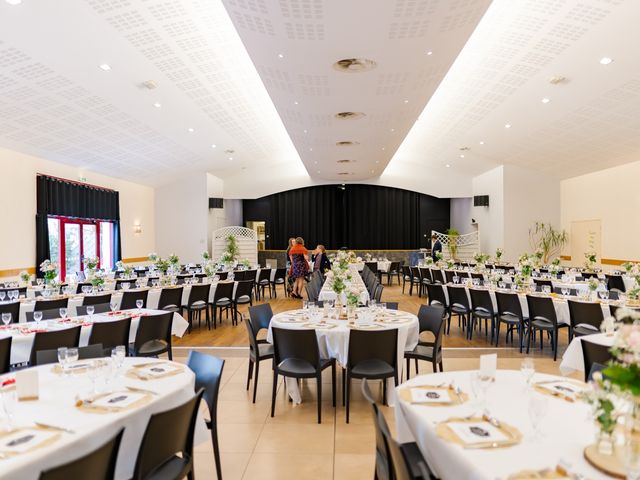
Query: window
x=72 y=239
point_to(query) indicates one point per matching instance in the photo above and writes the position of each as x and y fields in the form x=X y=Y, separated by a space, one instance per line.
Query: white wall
x=613 y=197
x=182 y=212
x=18 y=190
x=460 y=214
x=490 y=219
x=229 y=215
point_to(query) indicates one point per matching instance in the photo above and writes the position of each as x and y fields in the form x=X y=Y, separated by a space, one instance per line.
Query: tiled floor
x=292 y=445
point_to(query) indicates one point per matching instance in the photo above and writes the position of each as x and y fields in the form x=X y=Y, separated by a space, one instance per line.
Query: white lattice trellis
x=247 y=243
x=468 y=244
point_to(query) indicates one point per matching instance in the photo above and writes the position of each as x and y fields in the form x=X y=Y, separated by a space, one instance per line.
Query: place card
x=27 y=384
x=23 y=440
x=488 y=365
x=155 y=370
x=472 y=433
x=118 y=400
x=564 y=389
x=430 y=395
x=477 y=432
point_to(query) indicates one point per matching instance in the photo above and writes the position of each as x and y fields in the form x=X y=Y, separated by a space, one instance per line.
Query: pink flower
x=633 y=339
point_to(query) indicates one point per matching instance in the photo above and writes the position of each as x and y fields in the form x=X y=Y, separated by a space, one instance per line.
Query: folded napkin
x=155 y=370
x=23 y=440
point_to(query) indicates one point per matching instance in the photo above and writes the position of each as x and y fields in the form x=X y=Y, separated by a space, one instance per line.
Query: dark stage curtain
x=354 y=216
x=65 y=198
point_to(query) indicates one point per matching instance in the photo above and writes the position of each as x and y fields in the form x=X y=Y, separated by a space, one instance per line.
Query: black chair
x=82 y=284
x=258 y=350
x=222 y=276
x=44 y=357
x=436 y=296
x=394 y=271
x=449 y=274
x=171 y=299
x=377 y=294
x=13 y=309
x=430 y=319
x=437 y=275
x=296 y=355
x=415 y=280
x=594 y=353
x=130 y=297
x=131 y=282
x=197 y=303
x=391 y=305
x=222 y=300
x=539 y=283
x=264 y=281
x=595 y=367
x=153 y=336
x=510 y=313
x=46 y=314
x=208 y=370
x=372 y=266
x=100 y=464
x=81 y=310
x=373 y=355
x=261 y=316
x=110 y=334
x=459 y=305
x=482 y=309
x=588 y=275
x=614 y=309
x=169 y=456
x=406 y=277
x=585 y=318
x=96 y=299
x=5 y=354
x=416 y=467
x=615 y=282
x=279 y=278
x=51 y=304
x=22 y=291
x=243 y=296
x=542 y=317
x=69 y=337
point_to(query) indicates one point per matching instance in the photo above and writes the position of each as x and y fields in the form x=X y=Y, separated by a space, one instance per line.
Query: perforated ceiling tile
x=32 y=71
x=144 y=37
x=254 y=23
x=410 y=29
x=127 y=21
x=304 y=31
x=54 y=83
x=157 y=51
x=302 y=9
x=567 y=31
x=108 y=6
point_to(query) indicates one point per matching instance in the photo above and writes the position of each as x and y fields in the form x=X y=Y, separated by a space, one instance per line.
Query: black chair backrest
x=131 y=282
x=224 y=291
x=251 y=333
x=157 y=447
x=383 y=456
x=449 y=274
x=264 y=275
x=170 y=298
x=614 y=309
x=588 y=275
x=96 y=299
x=82 y=284
x=541 y=308
x=394 y=268
x=260 y=316
x=437 y=275
x=435 y=291
x=431 y=319
x=594 y=353
x=51 y=304
x=481 y=300
x=479 y=276
x=5 y=354
x=373 y=266
x=244 y=289
x=12 y=308
x=46 y=314
x=94 y=350
x=69 y=337
x=208 y=370
x=129 y=298
x=585 y=313
x=542 y=283
x=111 y=334
x=298 y=344
x=199 y=294
x=458 y=297
x=377 y=294
x=222 y=276
x=99 y=308
x=615 y=281
x=281 y=273
x=22 y=291
x=406 y=271
x=100 y=464
x=250 y=275
x=391 y=305
x=509 y=303
x=373 y=344
x=153 y=327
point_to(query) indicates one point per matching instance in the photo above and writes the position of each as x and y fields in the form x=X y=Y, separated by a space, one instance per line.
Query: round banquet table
x=566 y=429
x=333 y=336
x=56 y=407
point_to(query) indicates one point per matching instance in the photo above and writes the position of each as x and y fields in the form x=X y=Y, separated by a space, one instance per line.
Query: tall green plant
x=546 y=239
x=453 y=242
x=233 y=251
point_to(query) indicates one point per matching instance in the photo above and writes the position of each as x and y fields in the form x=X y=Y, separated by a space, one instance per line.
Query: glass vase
x=605 y=441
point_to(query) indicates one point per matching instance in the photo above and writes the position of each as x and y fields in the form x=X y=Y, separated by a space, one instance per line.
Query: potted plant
x=453 y=242
x=546 y=239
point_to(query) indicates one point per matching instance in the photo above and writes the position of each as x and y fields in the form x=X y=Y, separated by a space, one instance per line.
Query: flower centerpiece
x=125 y=268
x=25 y=277
x=205 y=256
x=439 y=258
x=153 y=257
x=602 y=398
x=367 y=257
x=630 y=268
x=49 y=270
x=161 y=264
x=210 y=269
x=480 y=258
x=525 y=265
x=450 y=263
x=90 y=266
x=173 y=260
x=97 y=279
x=537 y=258
x=590 y=260
x=555 y=268
x=245 y=263
x=498 y=254
x=428 y=261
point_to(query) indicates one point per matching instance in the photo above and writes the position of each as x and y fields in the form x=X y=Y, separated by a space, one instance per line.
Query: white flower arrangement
x=593 y=284
x=153 y=257
x=499 y=253
x=590 y=260
x=206 y=256
x=49 y=269
x=25 y=276
x=90 y=263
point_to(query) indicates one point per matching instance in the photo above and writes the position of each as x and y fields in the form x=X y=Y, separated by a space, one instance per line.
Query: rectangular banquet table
x=326 y=293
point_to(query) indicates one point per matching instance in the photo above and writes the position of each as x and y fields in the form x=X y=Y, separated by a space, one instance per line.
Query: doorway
x=260 y=229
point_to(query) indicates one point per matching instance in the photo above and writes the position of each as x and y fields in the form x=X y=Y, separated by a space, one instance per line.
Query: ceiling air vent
x=345 y=160
x=345 y=173
x=347 y=143
x=354 y=65
x=349 y=115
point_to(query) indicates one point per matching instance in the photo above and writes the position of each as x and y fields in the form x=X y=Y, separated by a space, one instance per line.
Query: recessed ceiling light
x=545 y=100
x=507 y=125
x=310 y=149
x=280 y=55
x=406 y=101
x=304 y=131
x=429 y=52
x=393 y=129
x=213 y=146
x=372 y=171
x=14 y=2
x=447 y=165
x=382 y=148
x=191 y=130
x=318 y=171
x=481 y=142
x=461 y=156
x=105 y=66
x=230 y=158
x=157 y=105
x=295 y=103
x=605 y=60
x=316 y=162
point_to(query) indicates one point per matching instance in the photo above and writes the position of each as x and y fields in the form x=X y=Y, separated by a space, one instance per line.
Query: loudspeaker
x=216 y=203
x=481 y=201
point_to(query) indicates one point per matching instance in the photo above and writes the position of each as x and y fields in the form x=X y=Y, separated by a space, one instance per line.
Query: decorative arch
x=247 y=242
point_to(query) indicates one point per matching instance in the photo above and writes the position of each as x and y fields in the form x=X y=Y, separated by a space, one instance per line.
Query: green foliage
x=453 y=242
x=625 y=377
x=233 y=251
x=546 y=239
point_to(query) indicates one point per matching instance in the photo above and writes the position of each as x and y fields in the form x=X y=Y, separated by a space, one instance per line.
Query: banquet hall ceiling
x=256 y=78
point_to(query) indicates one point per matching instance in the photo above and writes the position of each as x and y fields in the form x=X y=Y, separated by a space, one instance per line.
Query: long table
x=326 y=293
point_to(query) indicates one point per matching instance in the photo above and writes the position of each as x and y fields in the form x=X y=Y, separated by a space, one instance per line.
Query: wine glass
x=118 y=354
x=62 y=359
x=93 y=372
x=604 y=295
x=63 y=313
x=538 y=406
x=565 y=291
x=139 y=304
x=113 y=305
x=90 y=310
x=2 y=295
x=39 y=281
x=37 y=316
x=528 y=369
x=9 y=401
x=456 y=279
x=632 y=459
x=6 y=318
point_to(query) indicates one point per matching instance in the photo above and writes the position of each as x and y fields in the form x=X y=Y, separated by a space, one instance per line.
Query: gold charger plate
x=444 y=432
x=456 y=398
x=88 y=406
x=134 y=371
x=557 y=394
x=547 y=473
x=610 y=464
x=54 y=438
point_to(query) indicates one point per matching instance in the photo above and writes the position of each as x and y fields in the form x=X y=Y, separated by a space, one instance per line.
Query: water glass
x=37 y=316
x=139 y=304
x=6 y=318
x=456 y=279
x=565 y=291
x=538 y=406
x=113 y=305
x=9 y=401
x=72 y=355
x=604 y=295
x=63 y=313
x=117 y=355
x=62 y=359
x=528 y=369
x=90 y=310
x=2 y=295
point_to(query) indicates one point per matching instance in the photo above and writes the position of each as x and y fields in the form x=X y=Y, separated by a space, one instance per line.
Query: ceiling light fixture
x=280 y=55
x=14 y=2
x=461 y=156
x=447 y=165
x=481 y=142
x=157 y=105
x=354 y=65
x=545 y=100
x=213 y=146
x=406 y=101
x=382 y=148
x=191 y=130
x=230 y=158
x=105 y=66
x=310 y=149
x=429 y=52
x=304 y=131
x=393 y=129
x=295 y=103
x=507 y=125
x=606 y=60
x=372 y=171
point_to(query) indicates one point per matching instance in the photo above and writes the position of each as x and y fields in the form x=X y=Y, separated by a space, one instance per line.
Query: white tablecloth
x=383 y=265
x=334 y=342
x=572 y=360
x=327 y=294
x=566 y=430
x=56 y=406
x=23 y=333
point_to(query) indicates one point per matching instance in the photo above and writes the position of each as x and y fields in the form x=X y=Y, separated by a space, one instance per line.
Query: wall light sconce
x=137 y=229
